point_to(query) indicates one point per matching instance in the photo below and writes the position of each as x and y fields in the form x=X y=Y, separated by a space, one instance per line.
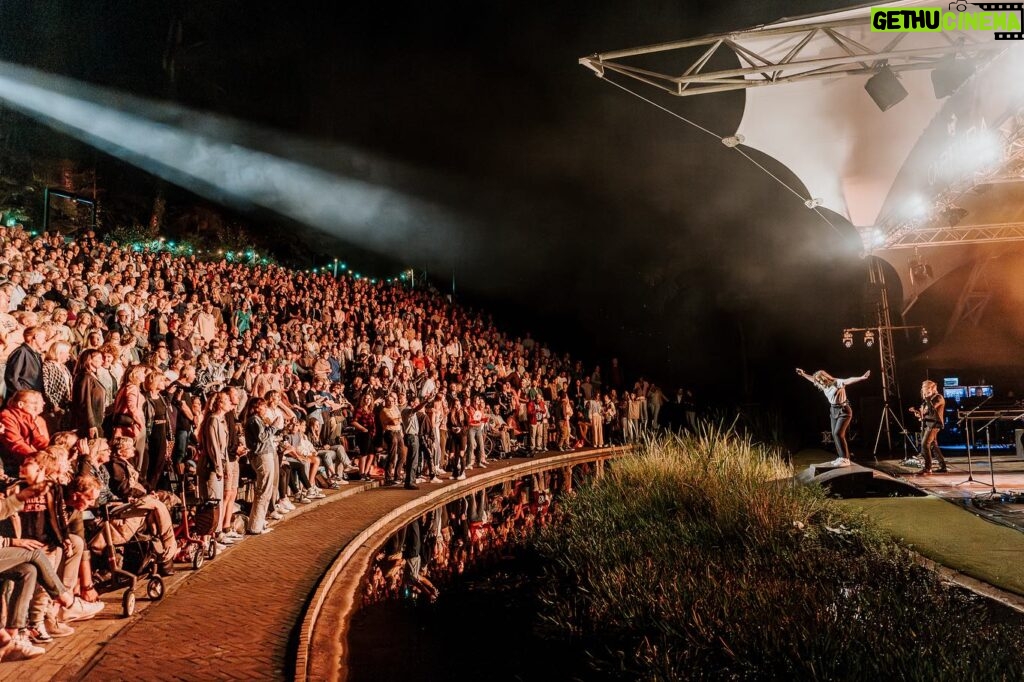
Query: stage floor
x=971 y=485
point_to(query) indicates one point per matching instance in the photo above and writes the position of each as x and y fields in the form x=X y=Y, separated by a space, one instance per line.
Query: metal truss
x=799 y=64
x=892 y=405
x=961 y=234
x=698 y=75
x=975 y=297
x=922 y=231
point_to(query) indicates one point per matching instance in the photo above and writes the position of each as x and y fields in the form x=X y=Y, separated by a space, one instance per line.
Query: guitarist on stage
x=932 y=416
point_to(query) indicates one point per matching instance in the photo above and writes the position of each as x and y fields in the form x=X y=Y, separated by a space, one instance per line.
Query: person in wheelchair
x=499 y=430
x=138 y=506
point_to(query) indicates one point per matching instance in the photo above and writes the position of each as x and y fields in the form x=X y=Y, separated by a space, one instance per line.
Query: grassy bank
x=695 y=559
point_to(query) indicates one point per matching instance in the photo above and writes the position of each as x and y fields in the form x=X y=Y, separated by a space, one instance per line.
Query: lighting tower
x=886 y=355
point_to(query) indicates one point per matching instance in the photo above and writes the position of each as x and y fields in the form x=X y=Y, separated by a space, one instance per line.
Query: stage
x=963 y=527
x=1004 y=503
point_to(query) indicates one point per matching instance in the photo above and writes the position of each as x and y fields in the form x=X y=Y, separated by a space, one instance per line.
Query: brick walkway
x=236 y=618
x=239 y=617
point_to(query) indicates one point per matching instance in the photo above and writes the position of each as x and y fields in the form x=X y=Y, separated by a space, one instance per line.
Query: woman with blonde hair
x=840 y=412
x=57 y=384
x=129 y=416
x=932 y=414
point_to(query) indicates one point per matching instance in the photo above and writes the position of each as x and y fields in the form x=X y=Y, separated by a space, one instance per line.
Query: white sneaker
x=20 y=649
x=460 y=477
x=59 y=629
x=80 y=610
x=436 y=479
x=286 y=505
x=37 y=634
x=839 y=462
x=316 y=494
x=275 y=516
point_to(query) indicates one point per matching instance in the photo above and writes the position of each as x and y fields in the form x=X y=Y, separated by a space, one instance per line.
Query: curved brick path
x=235 y=619
x=239 y=617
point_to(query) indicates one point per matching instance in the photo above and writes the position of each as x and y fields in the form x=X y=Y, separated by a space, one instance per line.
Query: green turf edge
x=951 y=536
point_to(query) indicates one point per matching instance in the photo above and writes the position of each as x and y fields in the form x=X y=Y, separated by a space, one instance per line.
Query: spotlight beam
x=153 y=136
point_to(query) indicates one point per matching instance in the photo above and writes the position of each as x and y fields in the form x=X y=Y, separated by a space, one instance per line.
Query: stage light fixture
x=848 y=338
x=869 y=338
x=952 y=215
x=924 y=336
x=885 y=89
x=920 y=270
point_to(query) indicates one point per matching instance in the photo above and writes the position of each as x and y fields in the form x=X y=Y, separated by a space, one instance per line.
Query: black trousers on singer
x=841 y=416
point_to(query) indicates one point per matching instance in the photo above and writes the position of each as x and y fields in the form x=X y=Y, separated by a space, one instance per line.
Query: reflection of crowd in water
x=474 y=530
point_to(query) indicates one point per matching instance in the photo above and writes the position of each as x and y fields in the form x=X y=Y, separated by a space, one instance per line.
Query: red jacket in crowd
x=23 y=434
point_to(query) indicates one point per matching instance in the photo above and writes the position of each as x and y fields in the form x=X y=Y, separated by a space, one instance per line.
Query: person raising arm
x=840 y=412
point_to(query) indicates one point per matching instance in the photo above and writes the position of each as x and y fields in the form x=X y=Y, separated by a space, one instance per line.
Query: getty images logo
x=1002 y=19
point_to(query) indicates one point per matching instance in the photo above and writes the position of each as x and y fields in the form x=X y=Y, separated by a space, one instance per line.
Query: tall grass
x=696 y=558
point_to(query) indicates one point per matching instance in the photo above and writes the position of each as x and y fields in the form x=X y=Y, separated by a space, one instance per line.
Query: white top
x=836 y=393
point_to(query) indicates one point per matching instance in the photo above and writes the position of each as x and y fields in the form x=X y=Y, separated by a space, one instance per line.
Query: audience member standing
x=24 y=371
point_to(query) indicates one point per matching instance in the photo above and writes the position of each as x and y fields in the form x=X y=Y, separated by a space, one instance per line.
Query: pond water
x=452 y=595
x=484 y=628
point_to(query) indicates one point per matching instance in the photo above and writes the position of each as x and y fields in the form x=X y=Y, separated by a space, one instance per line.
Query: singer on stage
x=932 y=414
x=840 y=411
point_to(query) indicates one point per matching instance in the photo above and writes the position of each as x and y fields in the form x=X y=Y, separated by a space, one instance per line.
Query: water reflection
x=473 y=531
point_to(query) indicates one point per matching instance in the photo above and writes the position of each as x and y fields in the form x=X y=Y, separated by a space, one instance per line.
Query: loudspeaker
x=885 y=88
x=949 y=75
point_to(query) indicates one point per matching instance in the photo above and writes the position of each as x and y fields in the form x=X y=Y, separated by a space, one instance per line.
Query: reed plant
x=697 y=557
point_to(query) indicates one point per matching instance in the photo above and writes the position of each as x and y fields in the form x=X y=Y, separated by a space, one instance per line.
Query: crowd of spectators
x=124 y=370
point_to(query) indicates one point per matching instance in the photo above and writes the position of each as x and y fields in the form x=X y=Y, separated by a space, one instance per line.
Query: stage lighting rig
x=920 y=270
x=871 y=334
x=952 y=215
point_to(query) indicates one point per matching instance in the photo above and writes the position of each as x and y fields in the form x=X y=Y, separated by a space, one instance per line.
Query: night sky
x=586 y=216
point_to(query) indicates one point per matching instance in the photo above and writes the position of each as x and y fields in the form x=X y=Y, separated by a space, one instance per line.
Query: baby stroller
x=124 y=561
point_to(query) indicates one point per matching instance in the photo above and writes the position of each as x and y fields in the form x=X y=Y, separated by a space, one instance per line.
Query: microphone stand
x=966 y=419
x=988 y=444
